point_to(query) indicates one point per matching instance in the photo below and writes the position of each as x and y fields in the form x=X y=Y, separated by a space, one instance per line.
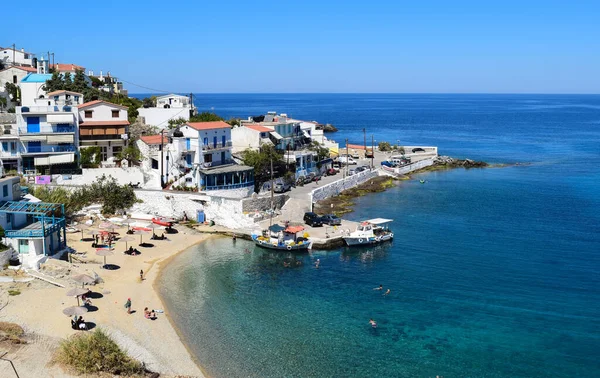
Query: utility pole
x=347 y=158
x=191 y=104
x=162 y=161
x=372 y=150
x=14 y=52
x=365 y=135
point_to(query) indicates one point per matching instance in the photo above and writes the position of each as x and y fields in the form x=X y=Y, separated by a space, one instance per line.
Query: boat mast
x=272 y=206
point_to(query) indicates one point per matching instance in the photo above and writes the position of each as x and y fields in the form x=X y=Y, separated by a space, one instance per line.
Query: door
x=206 y=141
x=215 y=142
x=187 y=144
x=223 y=157
x=34 y=146
x=33 y=124
x=188 y=160
x=223 y=141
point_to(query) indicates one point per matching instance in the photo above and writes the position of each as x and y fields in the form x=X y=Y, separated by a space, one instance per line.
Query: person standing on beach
x=141 y=274
x=128 y=305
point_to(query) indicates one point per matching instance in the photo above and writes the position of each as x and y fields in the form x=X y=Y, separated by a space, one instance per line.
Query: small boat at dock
x=373 y=231
x=282 y=239
x=163 y=222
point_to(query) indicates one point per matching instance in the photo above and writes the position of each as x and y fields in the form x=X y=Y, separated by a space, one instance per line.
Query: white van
x=347 y=160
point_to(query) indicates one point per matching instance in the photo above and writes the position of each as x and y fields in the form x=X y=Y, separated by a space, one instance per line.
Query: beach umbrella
x=140 y=232
x=82 y=226
x=106 y=225
x=128 y=222
x=104 y=252
x=75 y=310
x=126 y=239
x=83 y=279
x=76 y=292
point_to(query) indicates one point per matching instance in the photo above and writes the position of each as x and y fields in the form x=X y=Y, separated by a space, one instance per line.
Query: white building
x=10 y=56
x=34 y=230
x=47 y=130
x=32 y=85
x=13 y=75
x=110 y=83
x=103 y=124
x=168 y=107
x=250 y=136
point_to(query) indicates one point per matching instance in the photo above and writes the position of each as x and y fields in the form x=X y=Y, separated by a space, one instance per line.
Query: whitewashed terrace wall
x=336 y=187
x=123 y=176
x=409 y=168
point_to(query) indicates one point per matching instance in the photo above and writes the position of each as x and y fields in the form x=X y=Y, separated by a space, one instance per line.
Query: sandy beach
x=38 y=309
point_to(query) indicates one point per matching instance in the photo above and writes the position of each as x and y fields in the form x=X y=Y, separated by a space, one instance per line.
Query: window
x=55 y=98
x=115 y=114
x=4 y=190
x=4 y=146
x=208 y=158
x=23 y=245
x=88 y=114
x=14 y=79
x=117 y=149
x=13 y=146
x=76 y=99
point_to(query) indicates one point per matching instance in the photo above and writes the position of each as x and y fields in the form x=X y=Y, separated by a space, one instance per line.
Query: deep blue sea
x=493 y=272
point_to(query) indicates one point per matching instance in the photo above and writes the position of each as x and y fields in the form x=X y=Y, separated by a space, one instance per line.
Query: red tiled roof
x=208 y=125
x=154 y=139
x=358 y=147
x=27 y=69
x=259 y=128
x=67 y=67
x=104 y=123
x=96 y=102
x=63 y=91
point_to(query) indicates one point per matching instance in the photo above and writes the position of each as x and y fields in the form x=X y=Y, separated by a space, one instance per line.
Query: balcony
x=35 y=230
x=52 y=129
x=39 y=109
x=215 y=147
x=48 y=149
x=9 y=154
x=8 y=132
x=112 y=137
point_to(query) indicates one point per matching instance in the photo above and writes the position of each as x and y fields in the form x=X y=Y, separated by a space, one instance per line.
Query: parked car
x=313 y=220
x=352 y=172
x=418 y=149
x=369 y=154
x=332 y=220
x=347 y=160
x=355 y=155
x=282 y=186
x=361 y=169
x=331 y=172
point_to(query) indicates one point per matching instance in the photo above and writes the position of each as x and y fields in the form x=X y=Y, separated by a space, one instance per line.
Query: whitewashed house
x=250 y=137
x=35 y=230
x=168 y=107
x=103 y=124
x=15 y=57
x=47 y=130
x=13 y=75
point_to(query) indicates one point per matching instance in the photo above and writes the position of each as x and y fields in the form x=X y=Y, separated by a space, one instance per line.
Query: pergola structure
x=43 y=219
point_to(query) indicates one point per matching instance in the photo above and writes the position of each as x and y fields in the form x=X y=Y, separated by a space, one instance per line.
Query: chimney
x=22 y=50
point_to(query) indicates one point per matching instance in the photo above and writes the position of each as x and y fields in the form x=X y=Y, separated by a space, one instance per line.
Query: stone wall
x=339 y=186
x=5 y=256
x=122 y=175
x=263 y=203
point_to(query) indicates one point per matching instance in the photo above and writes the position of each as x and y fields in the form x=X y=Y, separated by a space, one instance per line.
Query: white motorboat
x=372 y=231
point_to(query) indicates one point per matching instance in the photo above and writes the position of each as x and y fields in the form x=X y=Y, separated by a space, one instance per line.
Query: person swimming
x=373 y=323
x=317 y=263
x=388 y=291
x=378 y=288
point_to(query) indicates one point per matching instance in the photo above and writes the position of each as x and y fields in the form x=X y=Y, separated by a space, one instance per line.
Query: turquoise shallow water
x=494 y=272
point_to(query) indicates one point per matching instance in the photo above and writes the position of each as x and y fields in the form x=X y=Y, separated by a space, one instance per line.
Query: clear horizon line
x=389 y=93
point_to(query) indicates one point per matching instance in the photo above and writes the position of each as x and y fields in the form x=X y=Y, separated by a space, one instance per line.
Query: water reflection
x=366 y=254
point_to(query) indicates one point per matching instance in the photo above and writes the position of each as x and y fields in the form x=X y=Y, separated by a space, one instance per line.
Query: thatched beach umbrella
x=76 y=292
x=104 y=252
x=140 y=232
x=106 y=225
x=126 y=239
x=128 y=222
x=75 y=310
x=82 y=226
x=83 y=279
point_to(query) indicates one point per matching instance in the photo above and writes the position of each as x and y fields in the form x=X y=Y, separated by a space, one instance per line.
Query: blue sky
x=323 y=46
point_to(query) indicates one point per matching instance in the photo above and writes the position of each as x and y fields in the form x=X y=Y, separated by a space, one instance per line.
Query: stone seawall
x=409 y=168
x=263 y=203
x=339 y=186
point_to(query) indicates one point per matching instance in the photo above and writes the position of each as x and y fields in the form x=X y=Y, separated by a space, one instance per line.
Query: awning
x=276 y=135
x=53 y=139
x=266 y=141
x=306 y=134
x=294 y=229
x=60 y=118
x=33 y=138
x=41 y=160
x=61 y=159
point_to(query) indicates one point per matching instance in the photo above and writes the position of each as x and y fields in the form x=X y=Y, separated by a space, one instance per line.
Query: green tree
x=261 y=162
x=322 y=152
x=206 y=117
x=2 y=233
x=96 y=83
x=149 y=102
x=55 y=83
x=174 y=122
x=67 y=81
x=130 y=153
x=3 y=103
x=384 y=146
x=234 y=122
x=13 y=92
x=79 y=83
x=91 y=157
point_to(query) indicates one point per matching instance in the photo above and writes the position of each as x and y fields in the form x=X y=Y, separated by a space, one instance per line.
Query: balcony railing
x=218 y=146
x=47 y=109
x=9 y=154
x=229 y=186
x=36 y=233
x=48 y=148
x=49 y=129
x=100 y=137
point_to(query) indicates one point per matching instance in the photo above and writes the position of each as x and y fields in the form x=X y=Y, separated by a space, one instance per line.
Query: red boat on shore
x=162 y=222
